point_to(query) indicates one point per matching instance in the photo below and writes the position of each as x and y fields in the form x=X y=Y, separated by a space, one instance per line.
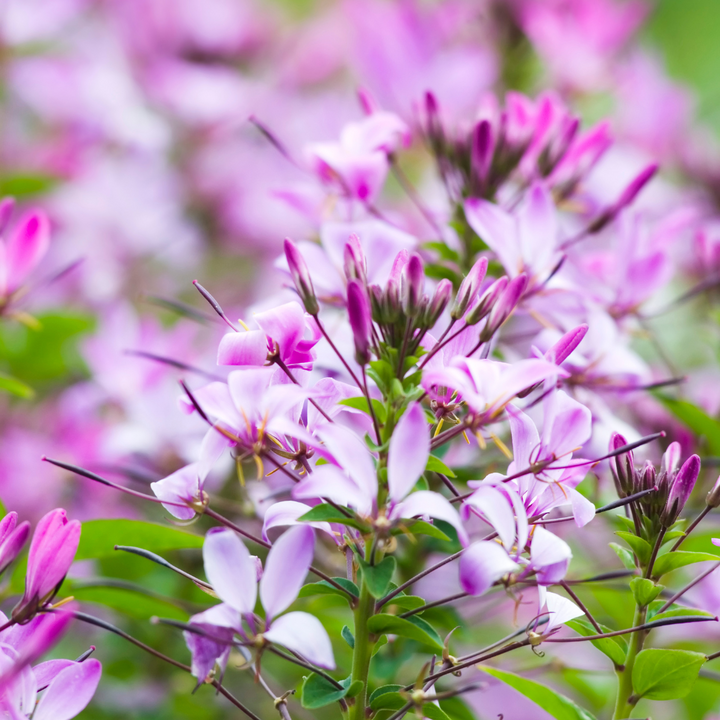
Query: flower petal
x=285 y=569
x=304 y=634
x=408 y=452
x=430 y=504
x=482 y=564
x=561 y=610
x=242 y=348
x=230 y=569
x=70 y=692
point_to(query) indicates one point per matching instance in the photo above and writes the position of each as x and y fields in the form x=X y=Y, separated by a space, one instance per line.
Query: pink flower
x=52 y=551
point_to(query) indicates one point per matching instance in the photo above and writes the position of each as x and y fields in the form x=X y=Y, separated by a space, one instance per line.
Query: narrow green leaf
x=457 y=709
x=420 y=527
x=15 y=387
x=644 y=590
x=640 y=546
x=348 y=637
x=378 y=577
x=560 y=707
x=614 y=647
x=435 y=464
x=673 y=611
x=325 y=588
x=434 y=712
x=413 y=627
x=317 y=691
x=327 y=513
x=99 y=537
x=382 y=690
x=407 y=602
x=626 y=557
x=361 y=403
x=666 y=674
x=696 y=419
x=674 y=560
x=390 y=700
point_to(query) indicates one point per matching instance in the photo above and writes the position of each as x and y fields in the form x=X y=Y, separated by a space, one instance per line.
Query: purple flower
x=681 y=490
x=232 y=572
x=23 y=250
x=52 y=551
x=12 y=539
x=301 y=277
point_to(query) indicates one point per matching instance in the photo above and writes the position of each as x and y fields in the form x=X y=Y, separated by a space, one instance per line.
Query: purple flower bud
x=413 y=284
x=481 y=153
x=440 y=300
x=469 y=288
x=367 y=101
x=392 y=304
x=433 y=124
x=52 y=551
x=635 y=186
x=622 y=466
x=565 y=346
x=505 y=306
x=398 y=266
x=487 y=301
x=713 y=497
x=354 y=260
x=377 y=303
x=12 y=539
x=360 y=320
x=681 y=489
x=301 y=277
x=671 y=458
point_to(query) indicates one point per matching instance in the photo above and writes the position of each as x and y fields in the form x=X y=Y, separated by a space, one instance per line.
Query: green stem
x=362 y=651
x=623 y=705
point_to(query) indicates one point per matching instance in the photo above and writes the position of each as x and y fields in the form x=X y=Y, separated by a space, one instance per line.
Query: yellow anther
x=503 y=447
x=439 y=427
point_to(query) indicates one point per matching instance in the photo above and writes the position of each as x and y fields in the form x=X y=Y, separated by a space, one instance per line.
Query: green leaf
x=26 y=184
x=15 y=387
x=457 y=709
x=696 y=419
x=413 y=627
x=348 y=637
x=379 y=692
x=378 y=577
x=614 y=647
x=361 y=403
x=328 y=513
x=674 y=560
x=317 y=691
x=445 y=252
x=434 y=712
x=666 y=674
x=390 y=700
x=644 y=590
x=560 y=707
x=325 y=588
x=420 y=527
x=626 y=557
x=99 y=537
x=407 y=602
x=133 y=601
x=435 y=464
x=640 y=546
x=674 y=611
x=355 y=688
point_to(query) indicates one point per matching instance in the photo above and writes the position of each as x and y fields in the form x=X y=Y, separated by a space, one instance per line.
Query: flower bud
x=565 y=346
x=681 y=489
x=504 y=307
x=375 y=294
x=487 y=301
x=671 y=458
x=622 y=466
x=7 y=206
x=713 y=497
x=393 y=307
x=439 y=302
x=12 y=539
x=626 y=198
x=301 y=277
x=354 y=261
x=413 y=284
x=360 y=320
x=481 y=154
x=469 y=288
x=398 y=266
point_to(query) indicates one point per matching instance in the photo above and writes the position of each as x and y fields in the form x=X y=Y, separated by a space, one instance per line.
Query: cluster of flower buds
x=671 y=485
x=525 y=137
